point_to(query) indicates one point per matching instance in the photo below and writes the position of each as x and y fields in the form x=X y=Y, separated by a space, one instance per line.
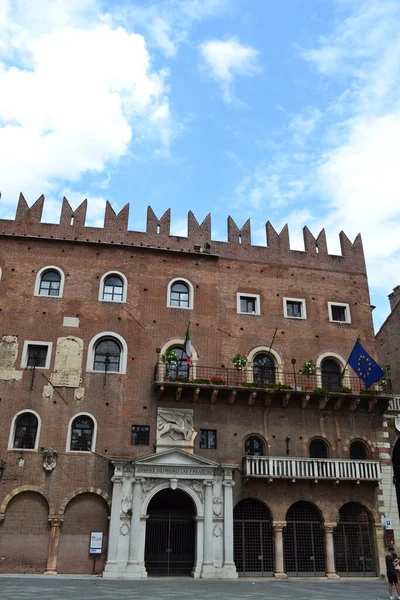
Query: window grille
x=253 y=539
x=82 y=434
x=140 y=435
x=303 y=537
x=25 y=431
x=354 y=542
x=208 y=439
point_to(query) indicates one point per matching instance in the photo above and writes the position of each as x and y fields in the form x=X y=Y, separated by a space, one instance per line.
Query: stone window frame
x=24 y=358
x=123 y=356
x=10 y=447
x=69 y=434
x=302 y=301
x=124 y=286
x=363 y=443
x=191 y=293
x=341 y=304
x=319 y=438
x=38 y=280
x=240 y=295
x=258 y=436
x=332 y=355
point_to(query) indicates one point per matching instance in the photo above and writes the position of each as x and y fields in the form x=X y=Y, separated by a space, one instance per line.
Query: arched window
x=331 y=373
x=178 y=365
x=82 y=434
x=263 y=369
x=318 y=449
x=254 y=446
x=113 y=287
x=180 y=294
x=50 y=283
x=107 y=355
x=26 y=427
x=358 y=450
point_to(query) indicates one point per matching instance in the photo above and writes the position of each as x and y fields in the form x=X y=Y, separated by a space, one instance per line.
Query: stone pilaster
x=229 y=568
x=208 y=562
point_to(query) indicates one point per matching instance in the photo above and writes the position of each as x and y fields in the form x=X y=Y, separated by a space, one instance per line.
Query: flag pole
x=347 y=361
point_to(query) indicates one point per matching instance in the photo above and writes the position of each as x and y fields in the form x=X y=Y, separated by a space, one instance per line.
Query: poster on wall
x=96 y=542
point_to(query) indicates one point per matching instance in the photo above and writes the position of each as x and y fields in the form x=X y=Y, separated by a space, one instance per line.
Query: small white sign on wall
x=96 y=542
x=388 y=523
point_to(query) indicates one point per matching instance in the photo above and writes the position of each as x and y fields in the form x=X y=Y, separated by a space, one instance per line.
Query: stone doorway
x=170 y=534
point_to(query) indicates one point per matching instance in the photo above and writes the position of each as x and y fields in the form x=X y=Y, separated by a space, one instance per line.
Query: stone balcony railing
x=394 y=405
x=333 y=469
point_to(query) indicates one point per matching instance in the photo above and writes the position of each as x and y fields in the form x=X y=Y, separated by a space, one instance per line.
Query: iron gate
x=354 y=542
x=170 y=534
x=303 y=539
x=253 y=539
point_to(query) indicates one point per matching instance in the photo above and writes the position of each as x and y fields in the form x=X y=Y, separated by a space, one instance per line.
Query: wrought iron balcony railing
x=333 y=469
x=269 y=380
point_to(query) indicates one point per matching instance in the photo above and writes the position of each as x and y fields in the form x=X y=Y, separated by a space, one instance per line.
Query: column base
x=228 y=571
x=280 y=575
x=208 y=572
x=332 y=576
x=50 y=572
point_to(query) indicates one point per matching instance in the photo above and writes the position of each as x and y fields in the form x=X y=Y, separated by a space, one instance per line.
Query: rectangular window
x=339 y=312
x=248 y=304
x=140 y=435
x=36 y=354
x=294 y=308
x=208 y=438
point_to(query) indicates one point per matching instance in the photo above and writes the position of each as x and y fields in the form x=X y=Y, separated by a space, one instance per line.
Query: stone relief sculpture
x=49 y=459
x=217 y=506
x=174 y=424
x=197 y=487
x=147 y=486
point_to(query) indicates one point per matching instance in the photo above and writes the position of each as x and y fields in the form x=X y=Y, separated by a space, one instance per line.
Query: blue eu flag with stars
x=364 y=365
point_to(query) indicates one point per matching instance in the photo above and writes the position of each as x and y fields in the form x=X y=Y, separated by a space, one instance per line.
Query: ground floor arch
x=354 y=542
x=85 y=513
x=303 y=541
x=253 y=539
x=25 y=534
x=170 y=534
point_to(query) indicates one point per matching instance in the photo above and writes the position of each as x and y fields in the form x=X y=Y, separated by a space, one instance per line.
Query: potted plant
x=309 y=368
x=169 y=358
x=240 y=361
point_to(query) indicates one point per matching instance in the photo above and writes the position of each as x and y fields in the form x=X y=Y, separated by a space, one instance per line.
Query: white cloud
x=224 y=60
x=77 y=92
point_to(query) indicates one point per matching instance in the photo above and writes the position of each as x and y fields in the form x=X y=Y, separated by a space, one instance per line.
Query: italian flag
x=188 y=347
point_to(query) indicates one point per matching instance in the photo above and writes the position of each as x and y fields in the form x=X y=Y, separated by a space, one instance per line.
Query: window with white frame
x=248 y=304
x=180 y=294
x=294 y=308
x=339 y=312
x=113 y=287
x=49 y=282
x=107 y=351
x=82 y=434
x=36 y=354
x=24 y=433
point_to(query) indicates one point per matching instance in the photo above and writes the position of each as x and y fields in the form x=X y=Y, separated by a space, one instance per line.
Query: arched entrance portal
x=253 y=539
x=170 y=534
x=303 y=538
x=354 y=542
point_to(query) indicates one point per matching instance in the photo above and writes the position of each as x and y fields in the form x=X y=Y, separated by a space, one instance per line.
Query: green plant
x=201 y=380
x=182 y=378
x=282 y=386
x=240 y=361
x=344 y=390
x=252 y=385
x=385 y=377
x=169 y=357
x=309 y=368
x=217 y=381
x=369 y=392
x=320 y=390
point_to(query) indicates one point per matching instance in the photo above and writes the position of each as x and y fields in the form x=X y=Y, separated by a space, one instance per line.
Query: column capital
x=55 y=521
x=139 y=480
x=278 y=525
x=208 y=482
x=116 y=478
x=228 y=483
x=329 y=527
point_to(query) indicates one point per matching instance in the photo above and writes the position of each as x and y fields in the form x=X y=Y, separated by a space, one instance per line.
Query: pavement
x=39 y=587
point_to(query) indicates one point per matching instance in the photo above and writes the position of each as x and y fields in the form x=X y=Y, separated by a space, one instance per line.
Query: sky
x=285 y=111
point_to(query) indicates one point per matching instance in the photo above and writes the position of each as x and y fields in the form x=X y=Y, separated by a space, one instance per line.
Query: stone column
x=208 y=566
x=229 y=568
x=330 y=551
x=51 y=567
x=380 y=545
x=133 y=567
x=113 y=530
x=278 y=527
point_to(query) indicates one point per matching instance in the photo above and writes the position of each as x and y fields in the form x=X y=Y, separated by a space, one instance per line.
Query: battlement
x=71 y=227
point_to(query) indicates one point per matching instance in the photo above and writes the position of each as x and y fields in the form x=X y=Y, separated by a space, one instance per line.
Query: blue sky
x=285 y=111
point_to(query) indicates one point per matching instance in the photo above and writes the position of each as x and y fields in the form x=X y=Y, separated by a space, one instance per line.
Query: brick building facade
x=210 y=469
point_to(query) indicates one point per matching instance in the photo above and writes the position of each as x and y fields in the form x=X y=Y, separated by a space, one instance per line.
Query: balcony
x=315 y=469
x=394 y=405
x=228 y=385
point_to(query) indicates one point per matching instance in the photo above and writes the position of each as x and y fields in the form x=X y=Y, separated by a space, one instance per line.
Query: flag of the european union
x=364 y=365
